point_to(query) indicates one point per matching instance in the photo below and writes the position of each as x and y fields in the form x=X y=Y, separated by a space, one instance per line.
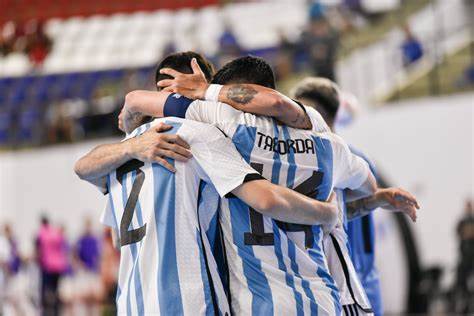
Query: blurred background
x=407 y=69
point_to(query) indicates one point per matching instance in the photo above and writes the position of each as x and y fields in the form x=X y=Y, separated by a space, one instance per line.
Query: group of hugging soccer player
x=227 y=197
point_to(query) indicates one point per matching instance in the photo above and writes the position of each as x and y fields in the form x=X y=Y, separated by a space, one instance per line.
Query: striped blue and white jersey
x=341 y=267
x=166 y=266
x=275 y=267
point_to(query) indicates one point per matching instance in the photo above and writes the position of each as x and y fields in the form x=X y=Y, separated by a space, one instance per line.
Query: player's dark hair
x=321 y=92
x=182 y=63
x=248 y=69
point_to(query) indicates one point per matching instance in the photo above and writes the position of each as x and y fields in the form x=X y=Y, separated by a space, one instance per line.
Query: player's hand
x=396 y=199
x=153 y=146
x=192 y=86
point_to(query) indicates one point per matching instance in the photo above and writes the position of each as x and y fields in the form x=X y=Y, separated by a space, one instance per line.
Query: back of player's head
x=182 y=63
x=319 y=93
x=248 y=69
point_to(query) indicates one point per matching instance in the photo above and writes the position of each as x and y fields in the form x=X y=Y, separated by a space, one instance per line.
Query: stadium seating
x=90 y=50
x=138 y=39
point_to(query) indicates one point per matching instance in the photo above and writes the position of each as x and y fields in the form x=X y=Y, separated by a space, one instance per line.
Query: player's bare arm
x=286 y=205
x=393 y=199
x=249 y=98
x=139 y=106
x=151 y=146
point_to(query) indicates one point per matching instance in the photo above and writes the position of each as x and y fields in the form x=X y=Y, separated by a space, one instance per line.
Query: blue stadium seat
x=6 y=124
x=30 y=120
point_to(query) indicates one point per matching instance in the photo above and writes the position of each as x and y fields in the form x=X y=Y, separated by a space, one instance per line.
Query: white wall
x=43 y=179
x=426 y=146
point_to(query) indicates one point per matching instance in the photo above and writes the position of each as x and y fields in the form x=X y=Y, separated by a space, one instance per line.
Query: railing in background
x=377 y=73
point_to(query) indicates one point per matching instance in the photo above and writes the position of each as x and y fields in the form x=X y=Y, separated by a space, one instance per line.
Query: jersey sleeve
x=319 y=124
x=108 y=217
x=350 y=171
x=219 y=161
x=176 y=105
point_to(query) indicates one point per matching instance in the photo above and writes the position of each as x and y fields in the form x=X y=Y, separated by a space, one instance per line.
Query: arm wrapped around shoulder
x=285 y=205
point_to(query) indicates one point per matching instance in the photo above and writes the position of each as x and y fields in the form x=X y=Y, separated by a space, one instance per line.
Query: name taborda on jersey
x=285 y=146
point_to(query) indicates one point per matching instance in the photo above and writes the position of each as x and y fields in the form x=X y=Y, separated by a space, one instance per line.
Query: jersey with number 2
x=166 y=266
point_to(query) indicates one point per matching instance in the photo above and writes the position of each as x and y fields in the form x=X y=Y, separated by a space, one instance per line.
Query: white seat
x=53 y=27
x=16 y=64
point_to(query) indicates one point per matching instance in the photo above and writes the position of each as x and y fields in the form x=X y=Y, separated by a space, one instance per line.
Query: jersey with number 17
x=275 y=267
x=166 y=264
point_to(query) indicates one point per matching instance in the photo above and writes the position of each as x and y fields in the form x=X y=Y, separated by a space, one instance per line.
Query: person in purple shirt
x=14 y=261
x=87 y=248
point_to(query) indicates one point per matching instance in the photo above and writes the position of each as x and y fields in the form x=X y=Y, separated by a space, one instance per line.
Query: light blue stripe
x=290 y=181
x=169 y=292
x=244 y=140
x=324 y=154
x=276 y=158
x=136 y=248
x=262 y=301
x=325 y=165
x=124 y=200
x=205 y=281
x=117 y=229
x=290 y=281
x=281 y=265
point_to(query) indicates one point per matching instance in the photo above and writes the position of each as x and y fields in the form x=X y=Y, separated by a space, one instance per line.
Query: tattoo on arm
x=241 y=93
x=357 y=208
x=135 y=119
x=302 y=121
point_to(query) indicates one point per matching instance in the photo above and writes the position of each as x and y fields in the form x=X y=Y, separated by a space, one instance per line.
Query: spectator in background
x=229 y=47
x=38 y=44
x=53 y=263
x=4 y=267
x=61 y=126
x=87 y=248
x=467 y=77
x=14 y=261
x=411 y=47
x=19 y=285
x=88 y=255
x=284 y=61
x=321 y=43
x=465 y=269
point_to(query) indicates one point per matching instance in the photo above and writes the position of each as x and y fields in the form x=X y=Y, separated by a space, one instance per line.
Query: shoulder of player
x=215 y=106
x=365 y=157
x=197 y=132
x=317 y=120
x=338 y=144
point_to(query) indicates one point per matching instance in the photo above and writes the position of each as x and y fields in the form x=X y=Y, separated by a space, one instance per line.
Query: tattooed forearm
x=133 y=120
x=241 y=93
x=358 y=208
x=301 y=120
